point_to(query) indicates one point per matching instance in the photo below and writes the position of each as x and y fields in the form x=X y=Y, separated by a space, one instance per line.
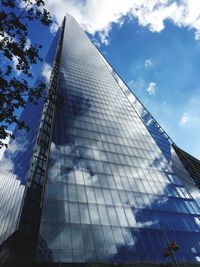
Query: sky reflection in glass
x=110 y=187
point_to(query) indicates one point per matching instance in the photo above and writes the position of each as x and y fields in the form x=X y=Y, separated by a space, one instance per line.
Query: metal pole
x=168 y=246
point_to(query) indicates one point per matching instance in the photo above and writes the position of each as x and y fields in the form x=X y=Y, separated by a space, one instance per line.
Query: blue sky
x=162 y=69
x=154 y=46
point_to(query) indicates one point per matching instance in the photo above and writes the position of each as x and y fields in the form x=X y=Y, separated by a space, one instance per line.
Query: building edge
x=19 y=249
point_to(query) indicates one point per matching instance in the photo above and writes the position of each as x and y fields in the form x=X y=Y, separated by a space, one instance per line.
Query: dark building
x=96 y=181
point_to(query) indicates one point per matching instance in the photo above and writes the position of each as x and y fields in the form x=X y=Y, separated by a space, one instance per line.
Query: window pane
x=74 y=213
x=113 y=216
x=130 y=217
x=108 y=197
x=72 y=193
x=109 y=240
x=94 y=214
x=84 y=213
x=119 y=239
x=98 y=237
x=104 y=215
x=65 y=237
x=116 y=198
x=121 y=216
x=90 y=195
x=81 y=194
x=88 y=240
x=99 y=196
x=76 y=233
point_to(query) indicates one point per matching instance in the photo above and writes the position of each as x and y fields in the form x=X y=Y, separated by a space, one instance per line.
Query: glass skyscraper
x=96 y=180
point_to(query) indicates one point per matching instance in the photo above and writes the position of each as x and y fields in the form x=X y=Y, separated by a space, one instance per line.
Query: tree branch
x=23 y=10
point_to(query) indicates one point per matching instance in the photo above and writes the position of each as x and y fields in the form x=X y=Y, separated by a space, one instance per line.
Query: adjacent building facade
x=96 y=180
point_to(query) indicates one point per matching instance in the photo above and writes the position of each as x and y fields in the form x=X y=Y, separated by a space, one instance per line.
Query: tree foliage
x=18 y=54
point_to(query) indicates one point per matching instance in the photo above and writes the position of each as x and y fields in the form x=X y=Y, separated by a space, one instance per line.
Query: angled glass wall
x=15 y=163
x=111 y=195
x=163 y=141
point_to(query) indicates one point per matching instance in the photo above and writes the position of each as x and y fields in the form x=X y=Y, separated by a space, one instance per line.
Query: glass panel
x=119 y=239
x=121 y=216
x=116 y=197
x=81 y=194
x=88 y=241
x=74 y=213
x=84 y=213
x=94 y=214
x=72 y=194
x=98 y=238
x=104 y=215
x=109 y=240
x=99 y=196
x=76 y=233
x=65 y=237
x=108 y=197
x=113 y=216
x=130 y=217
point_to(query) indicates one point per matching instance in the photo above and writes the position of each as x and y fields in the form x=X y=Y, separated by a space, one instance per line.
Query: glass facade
x=165 y=144
x=111 y=194
x=16 y=161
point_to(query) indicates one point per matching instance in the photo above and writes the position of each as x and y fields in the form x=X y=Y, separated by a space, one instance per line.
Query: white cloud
x=97 y=16
x=104 y=37
x=131 y=84
x=148 y=224
x=189 y=125
x=191 y=116
x=148 y=63
x=6 y=141
x=46 y=72
x=54 y=27
x=151 y=88
x=15 y=62
x=185 y=118
x=15 y=58
x=96 y=42
x=28 y=43
x=139 y=83
x=197 y=35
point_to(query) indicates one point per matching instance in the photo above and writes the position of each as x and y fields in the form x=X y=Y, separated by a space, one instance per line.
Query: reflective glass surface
x=162 y=140
x=111 y=194
x=15 y=164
